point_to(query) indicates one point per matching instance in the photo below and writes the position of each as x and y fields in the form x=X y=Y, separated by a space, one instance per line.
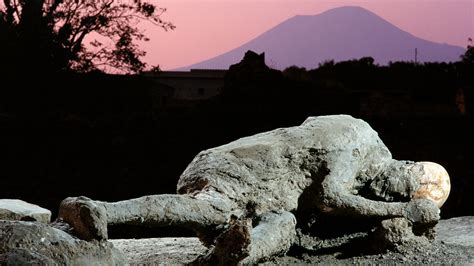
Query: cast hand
x=422 y=211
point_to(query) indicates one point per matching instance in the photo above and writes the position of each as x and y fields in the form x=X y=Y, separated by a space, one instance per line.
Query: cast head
x=434 y=183
x=406 y=180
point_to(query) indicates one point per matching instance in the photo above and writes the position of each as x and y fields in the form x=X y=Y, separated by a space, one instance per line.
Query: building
x=194 y=85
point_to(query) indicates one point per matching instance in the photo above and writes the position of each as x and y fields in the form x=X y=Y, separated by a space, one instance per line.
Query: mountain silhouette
x=338 y=34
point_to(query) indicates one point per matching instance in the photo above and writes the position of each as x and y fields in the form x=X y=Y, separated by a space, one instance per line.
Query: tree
x=468 y=56
x=296 y=73
x=52 y=34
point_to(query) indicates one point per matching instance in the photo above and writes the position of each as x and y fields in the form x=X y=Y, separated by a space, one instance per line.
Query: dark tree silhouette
x=53 y=33
x=296 y=73
x=468 y=56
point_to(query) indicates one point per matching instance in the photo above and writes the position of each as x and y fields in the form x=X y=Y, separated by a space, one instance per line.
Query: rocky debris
x=454 y=245
x=26 y=243
x=162 y=251
x=18 y=210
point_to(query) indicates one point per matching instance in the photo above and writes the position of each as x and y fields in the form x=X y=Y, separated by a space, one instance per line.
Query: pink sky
x=208 y=28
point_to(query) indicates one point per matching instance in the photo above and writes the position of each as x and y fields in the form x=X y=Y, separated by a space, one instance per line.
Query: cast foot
x=88 y=219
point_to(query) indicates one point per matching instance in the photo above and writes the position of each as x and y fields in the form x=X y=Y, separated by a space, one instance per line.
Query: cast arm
x=337 y=197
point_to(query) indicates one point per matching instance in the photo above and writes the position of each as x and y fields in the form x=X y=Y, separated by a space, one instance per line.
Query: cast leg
x=90 y=218
x=240 y=244
x=273 y=236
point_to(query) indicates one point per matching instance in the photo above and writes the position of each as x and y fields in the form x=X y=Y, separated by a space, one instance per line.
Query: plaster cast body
x=246 y=192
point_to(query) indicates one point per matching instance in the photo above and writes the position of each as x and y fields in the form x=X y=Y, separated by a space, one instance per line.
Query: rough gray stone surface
x=459 y=231
x=18 y=210
x=27 y=243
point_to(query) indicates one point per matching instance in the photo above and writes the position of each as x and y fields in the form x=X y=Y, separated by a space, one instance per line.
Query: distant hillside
x=340 y=34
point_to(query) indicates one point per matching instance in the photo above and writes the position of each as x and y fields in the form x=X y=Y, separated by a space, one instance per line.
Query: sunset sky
x=208 y=28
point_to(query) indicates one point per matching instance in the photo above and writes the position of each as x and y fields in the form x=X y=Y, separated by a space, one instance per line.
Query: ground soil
x=453 y=245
